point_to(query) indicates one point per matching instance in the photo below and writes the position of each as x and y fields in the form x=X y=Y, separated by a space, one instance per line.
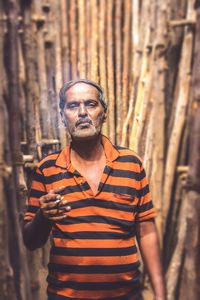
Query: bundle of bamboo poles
x=145 y=55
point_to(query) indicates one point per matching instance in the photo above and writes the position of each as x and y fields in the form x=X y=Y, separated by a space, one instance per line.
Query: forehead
x=81 y=91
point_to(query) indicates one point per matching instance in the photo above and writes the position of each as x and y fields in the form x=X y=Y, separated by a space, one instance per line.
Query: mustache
x=82 y=121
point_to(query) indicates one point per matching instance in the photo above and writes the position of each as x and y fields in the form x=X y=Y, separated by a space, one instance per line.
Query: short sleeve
x=145 y=209
x=38 y=189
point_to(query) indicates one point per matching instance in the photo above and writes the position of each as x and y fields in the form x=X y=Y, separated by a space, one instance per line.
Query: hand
x=53 y=206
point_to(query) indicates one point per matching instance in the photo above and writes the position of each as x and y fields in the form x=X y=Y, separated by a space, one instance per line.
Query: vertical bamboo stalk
x=126 y=57
x=135 y=36
x=42 y=80
x=88 y=38
x=110 y=71
x=118 y=68
x=64 y=8
x=82 y=39
x=94 y=39
x=102 y=53
x=22 y=80
x=7 y=287
x=182 y=102
x=158 y=95
x=133 y=143
x=56 y=26
x=19 y=265
x=32 y=89
x=73 y=39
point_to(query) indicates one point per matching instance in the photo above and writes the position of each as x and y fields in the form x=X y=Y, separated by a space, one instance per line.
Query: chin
x=85 y=135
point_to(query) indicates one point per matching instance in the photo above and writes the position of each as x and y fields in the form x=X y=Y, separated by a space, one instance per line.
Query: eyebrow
x=75 y=100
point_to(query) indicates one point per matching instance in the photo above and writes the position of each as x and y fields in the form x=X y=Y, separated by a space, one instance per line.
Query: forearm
x=150 y=251
x=36 y=232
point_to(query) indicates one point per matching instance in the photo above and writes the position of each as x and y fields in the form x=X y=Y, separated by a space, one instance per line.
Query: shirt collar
x=63 y=159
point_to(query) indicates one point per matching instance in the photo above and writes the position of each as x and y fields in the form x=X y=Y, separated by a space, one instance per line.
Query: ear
x=63 y=118
x=104 y=117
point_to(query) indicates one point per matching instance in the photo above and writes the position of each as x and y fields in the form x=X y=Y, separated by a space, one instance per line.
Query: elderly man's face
x=83 y=113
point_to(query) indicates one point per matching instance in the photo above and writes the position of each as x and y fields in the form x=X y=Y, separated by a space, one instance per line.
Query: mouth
x=83 y=123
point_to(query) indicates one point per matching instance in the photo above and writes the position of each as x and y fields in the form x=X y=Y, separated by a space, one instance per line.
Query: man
x=94 y=199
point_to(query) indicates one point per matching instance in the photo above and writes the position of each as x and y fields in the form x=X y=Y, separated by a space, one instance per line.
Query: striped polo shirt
x=93 y=253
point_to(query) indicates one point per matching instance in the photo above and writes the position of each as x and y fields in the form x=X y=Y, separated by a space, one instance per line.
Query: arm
x=147 y=238
x=36 y=231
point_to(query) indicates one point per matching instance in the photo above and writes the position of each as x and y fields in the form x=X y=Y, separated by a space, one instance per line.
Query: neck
x=89 y=150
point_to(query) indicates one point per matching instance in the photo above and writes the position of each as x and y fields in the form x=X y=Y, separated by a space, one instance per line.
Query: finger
x=65 y=208
x=56 y=212
x=58 y=190
x=51 y=197
x=50 y=204
x=61 y=217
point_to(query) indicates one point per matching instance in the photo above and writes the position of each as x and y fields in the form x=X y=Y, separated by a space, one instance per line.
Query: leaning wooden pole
x=16 y=247
x=190 y=276
x=7 y=288
x=182 y=104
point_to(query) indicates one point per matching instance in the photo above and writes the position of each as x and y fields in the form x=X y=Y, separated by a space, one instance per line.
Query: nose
x=82 y=110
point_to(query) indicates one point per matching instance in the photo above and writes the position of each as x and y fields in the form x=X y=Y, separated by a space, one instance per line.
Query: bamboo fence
x=145 y=54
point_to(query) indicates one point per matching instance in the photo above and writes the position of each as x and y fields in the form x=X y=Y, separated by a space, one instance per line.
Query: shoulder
x=128 y=155
x=48 y=161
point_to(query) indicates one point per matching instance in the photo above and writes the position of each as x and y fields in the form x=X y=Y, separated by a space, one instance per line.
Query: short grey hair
x=71 y=83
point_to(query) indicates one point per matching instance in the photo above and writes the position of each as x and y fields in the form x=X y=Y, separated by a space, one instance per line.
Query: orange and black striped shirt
x=93 y=253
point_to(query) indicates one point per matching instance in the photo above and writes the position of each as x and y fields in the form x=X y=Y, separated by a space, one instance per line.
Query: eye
x=91 y=103
x=72 y=105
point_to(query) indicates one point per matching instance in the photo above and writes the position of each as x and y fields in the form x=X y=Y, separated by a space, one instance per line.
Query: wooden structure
x=146 y=56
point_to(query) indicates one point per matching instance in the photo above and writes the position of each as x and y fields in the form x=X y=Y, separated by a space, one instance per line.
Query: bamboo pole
x=182 y=102
x=88 y=37
x=110 y=71
x=118 y=68
x=126 y=56
x=45 y=118
x=64 y=8
x=32 y=90
x=55 y=27
x=19 y=265
x=73 y=38
x=22 y=80
x=7 y=287
x=82 y=39
x=94 y=39
x=133 y=143
x=175 y=263
x=102 y=53
x=135 y=38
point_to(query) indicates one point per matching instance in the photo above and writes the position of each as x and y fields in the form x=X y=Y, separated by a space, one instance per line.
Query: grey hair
x=71 y=83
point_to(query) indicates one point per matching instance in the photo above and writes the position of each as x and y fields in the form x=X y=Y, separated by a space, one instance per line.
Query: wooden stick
x=184 y=22
x=64 y=9
x=110 y=71
x=183 y=96
x=82 y=39
x=45 y=118
x=58 y=67
x=118 y=68
x=102 y=53
x=126 y=56
x=88 y=37
x=73 y=39
x=94 y=37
